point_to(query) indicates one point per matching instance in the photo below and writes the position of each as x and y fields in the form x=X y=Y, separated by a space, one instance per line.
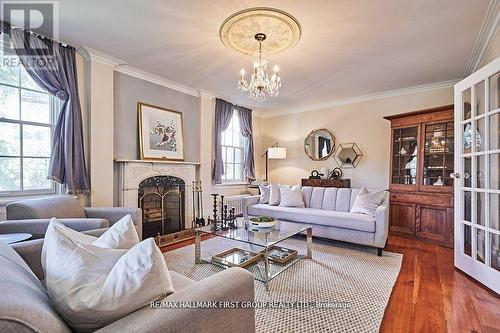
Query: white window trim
x=54 y=106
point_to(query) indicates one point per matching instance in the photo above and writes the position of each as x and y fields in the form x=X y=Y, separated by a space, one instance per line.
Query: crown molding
x=485 y=37
x=104 y=58
x=358 y=99
x=153 y=78
x=208 y=94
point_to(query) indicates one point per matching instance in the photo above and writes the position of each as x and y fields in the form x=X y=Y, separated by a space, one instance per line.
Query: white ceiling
x=348 y=48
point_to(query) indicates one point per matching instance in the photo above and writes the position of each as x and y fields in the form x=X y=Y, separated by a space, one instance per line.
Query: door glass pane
x=480 y=171
x=480 y=105
x=466 y=97
x=36 y=141
x=467 y=171
x=480 y=239
x=35 y=173
x=494 y=91
x=467 y=206
x=35 y=107
x=494 y=211
x=481 y=208
x=495 y=251
x=10 y=174
x=467 y=144
x=480 y=134
x=495 y=131
x=494 y=171
x=467 y=240
x=9 y=102
x=10 y=144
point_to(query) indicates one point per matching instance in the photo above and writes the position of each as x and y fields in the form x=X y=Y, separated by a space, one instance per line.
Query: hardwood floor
x=430 y=295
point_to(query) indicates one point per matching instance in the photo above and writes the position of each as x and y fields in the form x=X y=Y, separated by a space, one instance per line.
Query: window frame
x=242 y=146
x=54 y=106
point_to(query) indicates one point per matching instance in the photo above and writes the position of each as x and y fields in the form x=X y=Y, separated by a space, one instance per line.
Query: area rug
x=344 y=288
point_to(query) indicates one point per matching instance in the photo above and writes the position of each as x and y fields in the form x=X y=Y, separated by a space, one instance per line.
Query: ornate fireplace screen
x=161 y=199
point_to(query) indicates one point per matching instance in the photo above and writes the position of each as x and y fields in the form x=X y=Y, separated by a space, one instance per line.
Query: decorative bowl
x=262 y=222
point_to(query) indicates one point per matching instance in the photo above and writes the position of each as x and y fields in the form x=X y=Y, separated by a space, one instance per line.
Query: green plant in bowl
x=262 y=219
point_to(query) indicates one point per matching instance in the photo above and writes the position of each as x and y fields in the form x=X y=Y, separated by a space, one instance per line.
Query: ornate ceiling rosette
x=238 y=31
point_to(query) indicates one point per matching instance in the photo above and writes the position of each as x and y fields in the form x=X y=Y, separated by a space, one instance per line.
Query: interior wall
x=127 y=92
x=494 y=49
x=361 y=123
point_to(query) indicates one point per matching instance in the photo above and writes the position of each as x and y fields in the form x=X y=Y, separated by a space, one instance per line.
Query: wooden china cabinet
x=421 y=190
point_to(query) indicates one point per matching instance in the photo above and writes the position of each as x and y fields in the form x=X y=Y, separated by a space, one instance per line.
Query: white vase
x=325 y=171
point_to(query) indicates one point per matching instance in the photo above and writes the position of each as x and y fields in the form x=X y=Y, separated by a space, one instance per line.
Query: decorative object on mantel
x=336 y=173
x=226 y=219
x=273 y=153
x=319 y=144
x=315 y=175
x=325 y=172
x=341 y=183
x=160 y=133
x=198 y=218
x=277 y=29
x=348 y=155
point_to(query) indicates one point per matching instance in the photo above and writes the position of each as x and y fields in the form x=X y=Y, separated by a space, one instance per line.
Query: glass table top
x=263 y=236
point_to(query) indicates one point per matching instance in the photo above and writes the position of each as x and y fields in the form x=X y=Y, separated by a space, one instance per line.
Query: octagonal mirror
x=348 y=155
x=319 y=144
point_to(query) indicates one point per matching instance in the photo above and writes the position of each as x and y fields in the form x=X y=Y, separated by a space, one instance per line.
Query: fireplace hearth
x=161 y=199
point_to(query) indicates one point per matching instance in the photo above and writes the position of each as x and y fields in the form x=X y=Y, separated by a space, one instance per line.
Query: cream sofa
x=327 y=210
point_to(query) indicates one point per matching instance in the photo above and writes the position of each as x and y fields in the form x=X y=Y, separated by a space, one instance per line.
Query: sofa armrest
x=38 y=227
x=382 y=224
x=232 y=285
x=31 y=252
x=114 y=214
x=249 y=201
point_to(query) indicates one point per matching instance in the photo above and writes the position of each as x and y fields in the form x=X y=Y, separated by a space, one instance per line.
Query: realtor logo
x=39 y=17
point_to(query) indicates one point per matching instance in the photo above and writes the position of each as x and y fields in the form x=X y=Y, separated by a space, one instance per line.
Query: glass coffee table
x=259 y=240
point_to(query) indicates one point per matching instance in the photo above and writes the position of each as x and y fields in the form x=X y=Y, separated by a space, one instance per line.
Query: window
x=233 y=152
x=27 y=116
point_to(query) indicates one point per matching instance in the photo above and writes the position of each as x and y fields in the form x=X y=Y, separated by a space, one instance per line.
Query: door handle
x=455 y=175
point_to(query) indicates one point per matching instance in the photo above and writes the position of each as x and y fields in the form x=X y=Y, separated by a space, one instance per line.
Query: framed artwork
x=160 y=133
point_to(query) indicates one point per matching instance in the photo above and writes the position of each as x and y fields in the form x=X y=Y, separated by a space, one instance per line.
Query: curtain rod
x=6 y=28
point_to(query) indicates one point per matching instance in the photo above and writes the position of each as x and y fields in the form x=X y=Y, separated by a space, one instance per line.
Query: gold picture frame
x=161 y=133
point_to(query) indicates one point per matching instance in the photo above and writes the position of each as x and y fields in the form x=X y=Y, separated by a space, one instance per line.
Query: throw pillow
x=274 y=195
x=91 y=286
x=291 y=196
x=264 y=193
x=367 y=203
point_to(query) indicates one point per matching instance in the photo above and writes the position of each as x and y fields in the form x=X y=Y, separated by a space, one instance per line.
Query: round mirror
x=319 y=144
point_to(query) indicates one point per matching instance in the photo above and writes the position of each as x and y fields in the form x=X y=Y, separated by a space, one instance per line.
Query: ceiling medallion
x=260 y=31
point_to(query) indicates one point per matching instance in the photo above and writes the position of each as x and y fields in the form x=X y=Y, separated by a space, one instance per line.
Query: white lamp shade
x=276 y=153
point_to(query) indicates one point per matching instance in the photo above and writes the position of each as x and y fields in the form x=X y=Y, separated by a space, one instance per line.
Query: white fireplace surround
x=133 y=172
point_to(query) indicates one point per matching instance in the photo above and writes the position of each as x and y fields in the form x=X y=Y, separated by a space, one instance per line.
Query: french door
x=477 y=175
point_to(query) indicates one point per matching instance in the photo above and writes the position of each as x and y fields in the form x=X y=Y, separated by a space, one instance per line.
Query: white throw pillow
x=265 y=191
x=367 y=203
x=274 y=195
x=92 y=286
x=291 y=196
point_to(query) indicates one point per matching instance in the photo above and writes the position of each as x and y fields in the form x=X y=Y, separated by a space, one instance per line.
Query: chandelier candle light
x=260 y=83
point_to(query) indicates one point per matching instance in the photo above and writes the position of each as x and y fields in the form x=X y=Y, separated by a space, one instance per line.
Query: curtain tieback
x=62 y=95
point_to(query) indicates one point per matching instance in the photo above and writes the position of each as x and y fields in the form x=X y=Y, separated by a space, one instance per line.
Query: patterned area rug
x=351 y=283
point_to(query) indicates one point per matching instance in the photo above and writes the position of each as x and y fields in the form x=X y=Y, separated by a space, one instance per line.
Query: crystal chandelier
x=260 y=83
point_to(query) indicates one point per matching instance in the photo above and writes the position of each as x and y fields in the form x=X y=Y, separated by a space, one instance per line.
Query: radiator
x=236 y=201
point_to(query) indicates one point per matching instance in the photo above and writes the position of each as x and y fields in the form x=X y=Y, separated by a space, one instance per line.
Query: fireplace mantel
x=133 y=172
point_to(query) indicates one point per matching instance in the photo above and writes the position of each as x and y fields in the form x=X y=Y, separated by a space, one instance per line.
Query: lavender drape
x=59 y=78
x=245 y=116
x=223 y=112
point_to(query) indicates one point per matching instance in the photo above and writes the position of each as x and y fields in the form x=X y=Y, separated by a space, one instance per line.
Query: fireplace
x=161 y=199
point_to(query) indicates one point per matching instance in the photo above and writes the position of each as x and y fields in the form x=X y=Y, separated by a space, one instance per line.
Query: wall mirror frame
x=348 y=155
x=319 y=145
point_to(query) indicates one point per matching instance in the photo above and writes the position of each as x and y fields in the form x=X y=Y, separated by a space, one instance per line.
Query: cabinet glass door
x=477 y=175
x=438 y=154
x=405 y=155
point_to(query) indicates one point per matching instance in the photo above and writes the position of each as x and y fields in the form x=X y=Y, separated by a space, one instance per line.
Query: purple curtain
x=245 y=116
x=223 y=112
x=59 y=78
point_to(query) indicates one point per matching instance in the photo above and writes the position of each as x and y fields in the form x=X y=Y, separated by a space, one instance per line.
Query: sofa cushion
x=343 y=203
x=24 y=305
x=346 y=220
x=317 y=197
x=265 y=192
x=291 y=196
x=306 y=195
x=179 y=281
x=330 y=198
x=60 y=206
x=274 y=195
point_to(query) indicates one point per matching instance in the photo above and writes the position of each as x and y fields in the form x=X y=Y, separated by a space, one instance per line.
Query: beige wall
x=361 y=123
